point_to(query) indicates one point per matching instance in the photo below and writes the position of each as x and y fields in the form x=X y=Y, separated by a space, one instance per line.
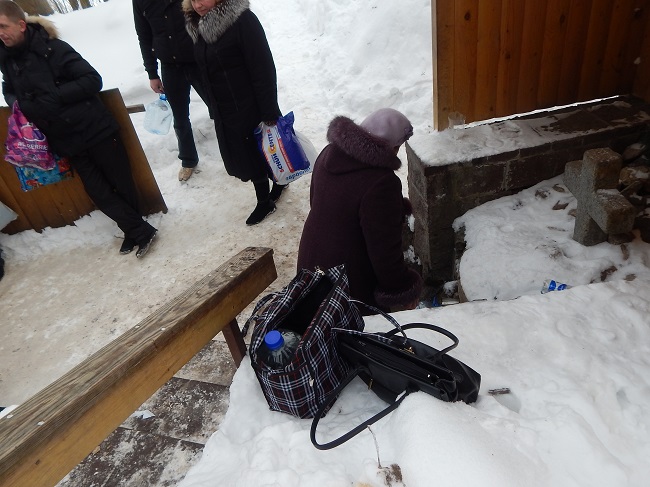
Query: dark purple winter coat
x=356 y=217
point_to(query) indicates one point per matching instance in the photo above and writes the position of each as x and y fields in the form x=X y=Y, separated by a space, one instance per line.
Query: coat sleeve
x=8 y=91
x=78 y=79
x=145 y=39
x=260 y=65
x=382 y=216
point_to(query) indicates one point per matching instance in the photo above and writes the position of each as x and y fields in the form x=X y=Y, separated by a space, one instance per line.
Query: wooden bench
x=48 y=435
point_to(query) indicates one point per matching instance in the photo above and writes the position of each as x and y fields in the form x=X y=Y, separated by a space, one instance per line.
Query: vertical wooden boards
x=495 y=58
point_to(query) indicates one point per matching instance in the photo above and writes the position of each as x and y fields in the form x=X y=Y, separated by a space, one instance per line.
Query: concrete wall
x=442 y=190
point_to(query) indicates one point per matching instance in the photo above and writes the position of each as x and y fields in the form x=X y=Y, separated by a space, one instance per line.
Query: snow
x=576 y=361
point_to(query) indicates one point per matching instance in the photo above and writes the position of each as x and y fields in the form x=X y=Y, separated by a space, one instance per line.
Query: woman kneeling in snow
x=357 y=210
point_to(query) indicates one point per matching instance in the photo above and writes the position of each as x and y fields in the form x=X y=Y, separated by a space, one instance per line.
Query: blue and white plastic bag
x=283 y=150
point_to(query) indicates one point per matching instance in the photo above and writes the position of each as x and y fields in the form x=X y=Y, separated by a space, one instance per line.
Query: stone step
x=157 y=445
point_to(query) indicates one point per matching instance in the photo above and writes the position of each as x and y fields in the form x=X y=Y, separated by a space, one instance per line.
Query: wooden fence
x=494 y=58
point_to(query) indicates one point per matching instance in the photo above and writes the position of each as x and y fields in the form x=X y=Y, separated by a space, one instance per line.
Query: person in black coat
x=160 y=25
x=57 y=90
x=233 y=54
x=357 y=211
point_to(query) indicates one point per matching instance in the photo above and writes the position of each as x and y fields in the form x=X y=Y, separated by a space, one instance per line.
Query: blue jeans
x=177 y=80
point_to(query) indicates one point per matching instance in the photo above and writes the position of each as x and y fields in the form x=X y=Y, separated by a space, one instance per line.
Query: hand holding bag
x=312 y=305
x=395 y=365
x=281 y=147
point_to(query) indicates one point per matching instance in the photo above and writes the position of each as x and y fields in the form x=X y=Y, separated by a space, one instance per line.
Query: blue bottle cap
x=163 y=97
x=274 y=340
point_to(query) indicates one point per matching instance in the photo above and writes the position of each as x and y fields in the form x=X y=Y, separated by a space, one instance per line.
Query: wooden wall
x=63 y=203
x=494 y=58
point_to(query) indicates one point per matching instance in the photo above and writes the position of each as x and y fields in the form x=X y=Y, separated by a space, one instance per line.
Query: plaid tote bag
x=311 y=305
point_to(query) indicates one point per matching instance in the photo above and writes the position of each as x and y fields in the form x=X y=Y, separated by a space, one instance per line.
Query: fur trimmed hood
x=361 y=145
x=48 y=25
x=217 y=21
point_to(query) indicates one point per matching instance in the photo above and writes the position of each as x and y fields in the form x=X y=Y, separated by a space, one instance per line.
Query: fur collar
x=217 y=21
x=360 y=145
x=48 y=25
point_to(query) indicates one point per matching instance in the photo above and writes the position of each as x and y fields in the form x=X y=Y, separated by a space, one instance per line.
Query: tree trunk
x=36 y=7
x=85 y=3
x=74 y=4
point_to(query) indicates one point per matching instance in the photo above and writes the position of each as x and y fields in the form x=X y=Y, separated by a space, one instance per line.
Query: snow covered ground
x=576 y=361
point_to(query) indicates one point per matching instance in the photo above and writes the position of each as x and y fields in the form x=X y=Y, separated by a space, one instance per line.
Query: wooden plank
x=465 y=41
x=619 y=26
x=235 y=341
x=150 y=197
x=594 y=50
x=443 y=61
x=573 y=51
x=57 y=428
x=512 y=26
x=554 y=48
x=636 y=36
x=135 y=108
x=532 y=45
x=641 y=86
x=487 y=58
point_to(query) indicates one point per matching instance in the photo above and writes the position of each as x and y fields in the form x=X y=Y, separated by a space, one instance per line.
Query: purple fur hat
x=389 y=125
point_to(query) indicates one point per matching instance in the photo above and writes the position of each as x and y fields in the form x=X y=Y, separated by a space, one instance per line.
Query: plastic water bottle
x=279 y=348
x=158 y=117
x=551 y=285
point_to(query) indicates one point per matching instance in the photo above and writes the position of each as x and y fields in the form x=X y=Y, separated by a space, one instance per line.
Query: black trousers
x=177 y=80
x=105 y=172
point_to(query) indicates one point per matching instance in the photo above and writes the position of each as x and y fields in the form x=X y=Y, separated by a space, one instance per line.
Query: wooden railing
x=48 y=435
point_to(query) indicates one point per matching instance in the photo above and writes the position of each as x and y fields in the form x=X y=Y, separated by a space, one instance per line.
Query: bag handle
x=428 y=326
x=392 y=320
x=409 y=326
x=358 y=429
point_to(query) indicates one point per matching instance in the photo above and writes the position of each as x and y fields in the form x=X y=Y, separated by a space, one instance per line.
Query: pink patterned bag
x=26 y=145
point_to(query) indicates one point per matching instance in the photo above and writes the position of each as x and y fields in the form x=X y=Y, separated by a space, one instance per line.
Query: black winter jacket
x=160 y=26
x=234 y=56
x=56 y=89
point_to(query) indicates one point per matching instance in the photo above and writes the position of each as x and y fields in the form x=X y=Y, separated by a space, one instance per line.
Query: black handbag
x=394 y=365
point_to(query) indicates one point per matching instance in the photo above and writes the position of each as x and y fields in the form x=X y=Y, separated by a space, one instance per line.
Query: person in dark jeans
x=57 y=90
x=160 y=26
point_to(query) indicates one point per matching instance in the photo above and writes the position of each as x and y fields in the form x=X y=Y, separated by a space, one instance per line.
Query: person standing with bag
x=233 y=54
x=57 y=90
x=160 y=26
x=357 y=211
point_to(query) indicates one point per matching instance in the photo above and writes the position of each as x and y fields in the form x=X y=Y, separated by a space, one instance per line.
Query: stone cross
x=602 y=210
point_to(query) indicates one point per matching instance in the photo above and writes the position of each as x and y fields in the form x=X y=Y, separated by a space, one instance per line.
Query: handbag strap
x=358 y=429
x=400 y=328
x=428 y=326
